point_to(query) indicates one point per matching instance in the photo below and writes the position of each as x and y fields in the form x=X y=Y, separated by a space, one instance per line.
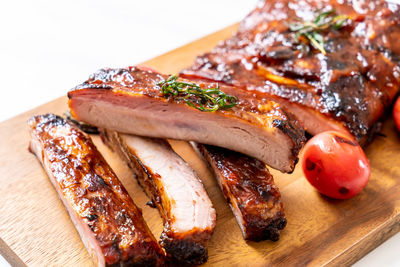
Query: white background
x=47 y=47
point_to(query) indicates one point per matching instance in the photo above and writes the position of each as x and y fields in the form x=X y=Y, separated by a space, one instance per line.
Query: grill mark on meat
x=188 y=222
x=110 y=225
x=249 y=190
x=352 y=84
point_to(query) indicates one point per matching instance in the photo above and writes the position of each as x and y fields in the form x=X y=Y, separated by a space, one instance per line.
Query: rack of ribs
x=346 y=87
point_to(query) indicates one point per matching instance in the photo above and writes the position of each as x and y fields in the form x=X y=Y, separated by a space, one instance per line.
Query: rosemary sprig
x=209 y=99
x=312 y=29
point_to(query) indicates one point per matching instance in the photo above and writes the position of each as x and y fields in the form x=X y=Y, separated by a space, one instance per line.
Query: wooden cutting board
x=36 y=230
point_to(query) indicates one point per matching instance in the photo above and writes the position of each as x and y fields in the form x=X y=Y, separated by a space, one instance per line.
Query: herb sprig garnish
x=209 y=99
x=312 y=29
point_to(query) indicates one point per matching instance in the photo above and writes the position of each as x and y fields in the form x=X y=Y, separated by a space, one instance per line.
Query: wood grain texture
x=320 y=231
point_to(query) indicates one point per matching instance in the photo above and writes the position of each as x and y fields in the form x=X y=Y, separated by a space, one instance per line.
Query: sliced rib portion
x=175 y=189
x=110 y=224
x=345 y=87
x=249 y=190
x=130 y=101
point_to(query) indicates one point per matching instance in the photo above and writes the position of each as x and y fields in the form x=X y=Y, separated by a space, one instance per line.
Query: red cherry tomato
x=396 y=113
x=335 y=165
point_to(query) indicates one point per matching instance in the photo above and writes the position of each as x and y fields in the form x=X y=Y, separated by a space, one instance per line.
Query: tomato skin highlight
x=396 y=113
x=335 y=165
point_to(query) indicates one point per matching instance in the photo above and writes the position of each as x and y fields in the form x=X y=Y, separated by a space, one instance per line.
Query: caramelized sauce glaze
x=247 y=184
x=94 y=193
x=253 y=107
x=353 y=83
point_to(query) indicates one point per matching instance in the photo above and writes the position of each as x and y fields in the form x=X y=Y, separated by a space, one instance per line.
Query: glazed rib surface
x=130 y=101
x=110 y=225
x=175 y=189
x=249 y=190
x=346 y=89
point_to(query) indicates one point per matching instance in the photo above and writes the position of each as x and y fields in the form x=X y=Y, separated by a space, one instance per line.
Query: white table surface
x=47 y=47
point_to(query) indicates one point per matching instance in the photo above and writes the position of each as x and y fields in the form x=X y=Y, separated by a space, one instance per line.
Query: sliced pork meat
x=344 y=84
x=175 y=189
x=110 y=224
x=249 y=190
x=131 y=101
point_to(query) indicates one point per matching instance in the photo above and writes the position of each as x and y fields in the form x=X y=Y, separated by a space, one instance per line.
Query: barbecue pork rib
x=347 y=88
x=175 y=189
x=110 y=224
x=130 y=101
x=249 y=190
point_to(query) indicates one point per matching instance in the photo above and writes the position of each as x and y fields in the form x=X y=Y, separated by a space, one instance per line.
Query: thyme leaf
x=312 y=29
x=209 y=99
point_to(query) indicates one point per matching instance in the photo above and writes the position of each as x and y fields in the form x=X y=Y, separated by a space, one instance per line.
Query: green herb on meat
x=208 y=99
x=312 y=29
